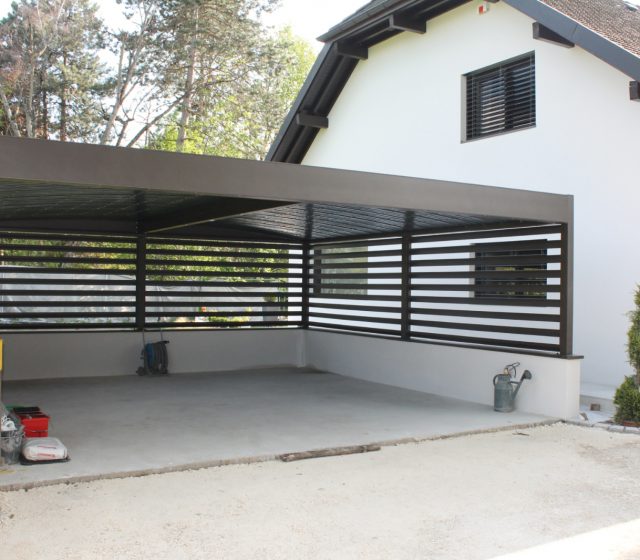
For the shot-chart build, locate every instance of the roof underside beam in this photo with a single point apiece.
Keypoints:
(350, 50)
(402, 22)
(311, 120)
(201, 213)
(542, 33)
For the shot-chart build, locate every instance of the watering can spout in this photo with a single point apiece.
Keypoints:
(525, 375)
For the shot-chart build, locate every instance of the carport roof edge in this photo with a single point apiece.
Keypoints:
(264, 184)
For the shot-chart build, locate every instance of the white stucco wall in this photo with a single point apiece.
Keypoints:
(82, 354)
(461, 373)
(401, 113)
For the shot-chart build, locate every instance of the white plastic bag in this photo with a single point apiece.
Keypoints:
(44, 449)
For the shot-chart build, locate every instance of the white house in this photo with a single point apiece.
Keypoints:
(533, 94)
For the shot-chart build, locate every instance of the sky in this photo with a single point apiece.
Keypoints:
(307, 18)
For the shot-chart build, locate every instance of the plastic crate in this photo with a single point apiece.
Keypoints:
(36, 424)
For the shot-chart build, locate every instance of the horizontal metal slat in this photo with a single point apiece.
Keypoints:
(164, 242)
(485, 235)
(222, 274)
(494, 261)
(347, 307)
(68, 281)
(355, 297)
(66, 326)
(528, 331)
(491, 342)
(222, 324)
(66, 248)
(67, 315)
(70, 271)
(59, 303)
(542, 317)
(355, 329)
(487, 288)
(324, 257)
(212, 284)
(514, 302)
(493, 275)
(67, 260)
(69, 293)
(479, 245)
(210, 294)
(354, 318)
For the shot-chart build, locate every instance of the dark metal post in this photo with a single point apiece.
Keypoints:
(566, 291)
(306, 285)
(141, 281)
(405, 296)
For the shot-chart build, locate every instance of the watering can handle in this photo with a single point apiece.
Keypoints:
(494, 378)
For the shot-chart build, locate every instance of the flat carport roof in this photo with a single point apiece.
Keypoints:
(55, 186)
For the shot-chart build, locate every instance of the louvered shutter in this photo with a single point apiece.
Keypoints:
(501, 98)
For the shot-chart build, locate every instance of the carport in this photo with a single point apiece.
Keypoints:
(303, 284)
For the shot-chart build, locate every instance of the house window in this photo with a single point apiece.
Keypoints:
(501, 98)
(341, 280)
(519, 279)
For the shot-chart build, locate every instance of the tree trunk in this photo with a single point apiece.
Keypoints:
(6, 107)
(185, 112)
(45, 115)
(63, 101)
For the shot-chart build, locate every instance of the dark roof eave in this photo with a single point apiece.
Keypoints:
(292, 135)
(592, 42)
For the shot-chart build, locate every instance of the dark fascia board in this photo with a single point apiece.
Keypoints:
(290, 119)
(572, 31)
(355, 23)
(87, 166)
(554, 20)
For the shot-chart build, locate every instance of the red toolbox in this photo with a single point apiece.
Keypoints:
(34, 421)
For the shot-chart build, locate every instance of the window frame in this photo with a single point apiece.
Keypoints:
(510, 286)
(508, 71)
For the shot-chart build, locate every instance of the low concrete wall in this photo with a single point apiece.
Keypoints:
(83, 354)
(461, 373)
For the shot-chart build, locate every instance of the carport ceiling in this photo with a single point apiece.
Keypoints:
(53, 186)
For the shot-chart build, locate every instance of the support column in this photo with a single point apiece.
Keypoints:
(405, 296)
(141, 281)
(566, 291)
(306, 284)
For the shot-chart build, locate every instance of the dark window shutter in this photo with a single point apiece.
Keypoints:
(501, 98)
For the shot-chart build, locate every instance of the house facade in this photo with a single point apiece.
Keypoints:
(527, 95)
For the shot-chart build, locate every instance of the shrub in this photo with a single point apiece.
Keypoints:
(627, 399)
(633, 338)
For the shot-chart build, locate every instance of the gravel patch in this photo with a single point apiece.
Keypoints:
(473, 497)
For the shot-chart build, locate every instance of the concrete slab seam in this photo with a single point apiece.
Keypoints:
(256, 459)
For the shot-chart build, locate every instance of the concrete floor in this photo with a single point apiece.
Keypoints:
(119, 425)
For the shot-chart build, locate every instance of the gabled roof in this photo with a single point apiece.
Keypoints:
(609, 29)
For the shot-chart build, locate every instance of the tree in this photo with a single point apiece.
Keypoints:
(186, 75)
(242, 119)
(633, 337)
(49, 68)
(180, 55)
(627, 397)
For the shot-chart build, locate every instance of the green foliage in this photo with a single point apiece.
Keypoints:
(200, 76)
(633, 337)
(627, 399)
(242, 120)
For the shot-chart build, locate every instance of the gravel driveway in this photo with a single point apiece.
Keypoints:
(559, 488)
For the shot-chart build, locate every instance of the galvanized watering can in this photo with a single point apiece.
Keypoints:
(504, 393)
